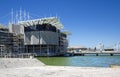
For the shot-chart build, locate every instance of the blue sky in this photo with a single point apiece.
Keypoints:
(89, 21)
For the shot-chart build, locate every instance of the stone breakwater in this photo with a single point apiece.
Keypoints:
(19, 62)
(56, 71)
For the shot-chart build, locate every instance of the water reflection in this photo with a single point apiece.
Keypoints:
(59, 61)
(84, 61)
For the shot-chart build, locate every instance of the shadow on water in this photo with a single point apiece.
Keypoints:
(59, 61)
(82, 61)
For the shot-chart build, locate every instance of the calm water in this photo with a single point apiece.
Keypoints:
(84, 61)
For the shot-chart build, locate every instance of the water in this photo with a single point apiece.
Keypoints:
(82, 61)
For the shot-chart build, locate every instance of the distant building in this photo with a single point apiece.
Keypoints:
(76, 49)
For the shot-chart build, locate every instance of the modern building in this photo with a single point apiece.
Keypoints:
(42, 37)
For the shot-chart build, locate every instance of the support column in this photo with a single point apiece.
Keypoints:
(48, 50)
(33, 49)
(0, 53)
(40, 49)
(27, 48)
(40, 44)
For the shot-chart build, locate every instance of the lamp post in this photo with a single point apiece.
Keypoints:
(115, 47)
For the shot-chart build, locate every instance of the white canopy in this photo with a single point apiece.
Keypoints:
(50, 20)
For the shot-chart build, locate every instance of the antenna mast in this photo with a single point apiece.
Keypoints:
(16, 17)
(24, 15)
(20, 14)
(28, 16)
(12, 16)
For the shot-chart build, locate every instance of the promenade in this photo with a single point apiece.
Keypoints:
(60, 71)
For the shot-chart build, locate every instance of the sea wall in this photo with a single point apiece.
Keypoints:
(19, 62)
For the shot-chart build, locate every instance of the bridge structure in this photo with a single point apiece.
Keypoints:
(96, 53)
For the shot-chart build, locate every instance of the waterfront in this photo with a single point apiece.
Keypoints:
(31, 67)
(82, 61)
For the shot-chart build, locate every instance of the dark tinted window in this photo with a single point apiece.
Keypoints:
(43, 27)
(63, 35)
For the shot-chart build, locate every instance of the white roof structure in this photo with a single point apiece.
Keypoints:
(50, 20)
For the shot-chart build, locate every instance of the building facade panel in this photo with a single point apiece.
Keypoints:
(41, 37)
(34, 37)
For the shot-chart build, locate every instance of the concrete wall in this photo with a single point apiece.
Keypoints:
(41, 37)
(19, 62)
(18, 29)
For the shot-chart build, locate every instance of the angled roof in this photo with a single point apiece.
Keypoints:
(50, 20)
